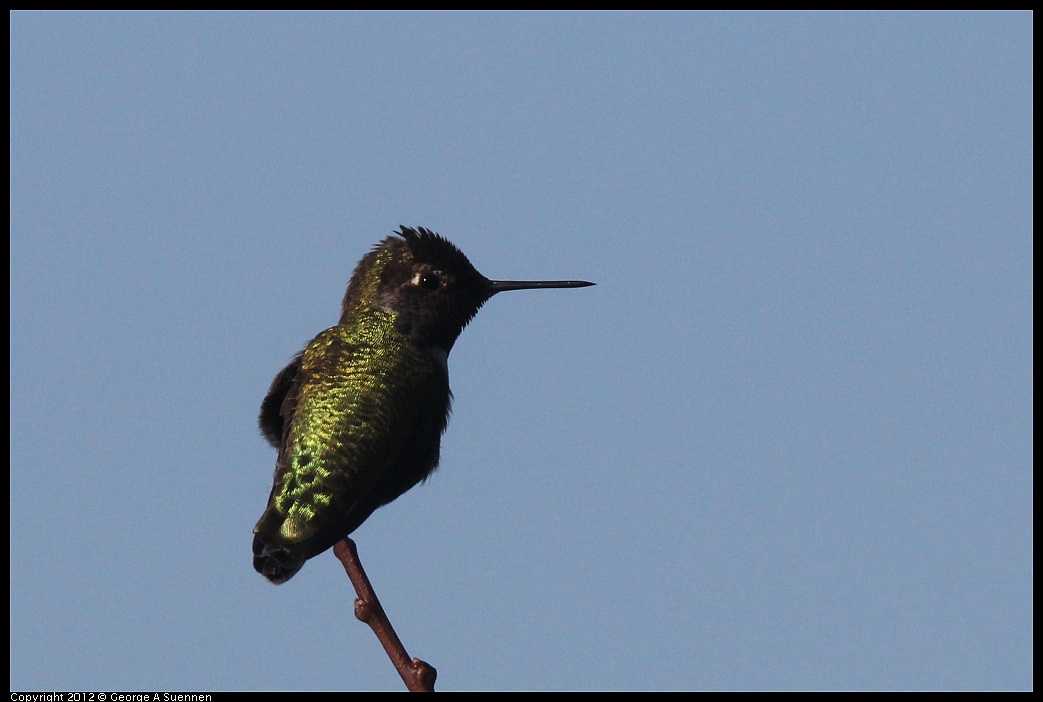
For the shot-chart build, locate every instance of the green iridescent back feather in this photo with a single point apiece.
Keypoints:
(366, 410)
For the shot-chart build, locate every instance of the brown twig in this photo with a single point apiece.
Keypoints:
(418, 675)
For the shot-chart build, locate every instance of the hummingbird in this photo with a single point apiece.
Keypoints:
(357, 416)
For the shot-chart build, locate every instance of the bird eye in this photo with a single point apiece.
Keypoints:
(430, 281)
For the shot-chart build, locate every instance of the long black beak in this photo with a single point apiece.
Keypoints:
(501, 285)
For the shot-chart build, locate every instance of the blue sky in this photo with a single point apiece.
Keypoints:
(785, 443)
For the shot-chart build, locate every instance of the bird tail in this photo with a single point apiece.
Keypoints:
(276, 563)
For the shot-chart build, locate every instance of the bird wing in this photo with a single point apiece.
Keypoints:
(274, 417)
